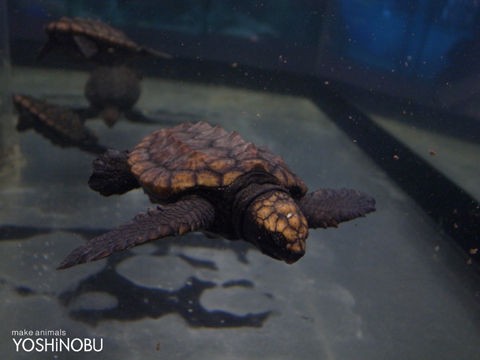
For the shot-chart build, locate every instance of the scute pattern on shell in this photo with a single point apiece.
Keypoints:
(170, 161)
(94, 29)
(59, 119)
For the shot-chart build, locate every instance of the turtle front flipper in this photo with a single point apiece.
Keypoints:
(111, 174)
(87, 47)
(329, 207)
(46, 48)
(189, 214)
(154, 53)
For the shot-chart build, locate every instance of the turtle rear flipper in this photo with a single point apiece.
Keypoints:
(111, 174)
(189, 214)
(329, 207)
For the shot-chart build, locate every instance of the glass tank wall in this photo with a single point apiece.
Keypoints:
(10, 158)
(376, 96)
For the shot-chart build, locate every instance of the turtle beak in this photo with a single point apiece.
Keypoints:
(277, 226)
(283, 250)
(111, 115)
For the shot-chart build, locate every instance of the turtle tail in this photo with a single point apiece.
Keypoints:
(111, 174)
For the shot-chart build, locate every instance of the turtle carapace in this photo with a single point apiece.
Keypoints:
(61, 125)
(93, 40)
(204, 178)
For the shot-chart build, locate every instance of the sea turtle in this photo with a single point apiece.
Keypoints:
(61, 125)
(207, 179)
(112, 91)
(93, 40)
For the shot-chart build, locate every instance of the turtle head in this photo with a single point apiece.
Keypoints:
(110, 115)
(275, 224)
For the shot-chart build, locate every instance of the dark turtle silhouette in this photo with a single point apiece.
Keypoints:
(61, 125)
(113, 87)
(93, 40)
(208, 179)
(112, 92)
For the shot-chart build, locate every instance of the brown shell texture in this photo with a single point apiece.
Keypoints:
(94, 29)
(57, 118)
(169, 161)
(113, 85)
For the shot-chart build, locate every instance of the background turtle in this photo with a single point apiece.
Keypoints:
(93, 40)
(112, 92)
(60, 125)
(208, 179)
(113, 87)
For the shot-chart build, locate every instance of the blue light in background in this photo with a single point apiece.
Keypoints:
(411, 37)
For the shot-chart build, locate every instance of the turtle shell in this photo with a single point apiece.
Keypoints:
(94, 29)
(170, 161)
(51, 119)
(113, 85)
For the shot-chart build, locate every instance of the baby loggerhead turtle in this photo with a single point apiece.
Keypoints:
(112, 92)
(93, 40)
(61, 125)
(207, 179)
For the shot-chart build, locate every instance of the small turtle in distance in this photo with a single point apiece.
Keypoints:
(207, 179)
(113, 86)
(61, 125)
(93, 40)
(113, 91)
